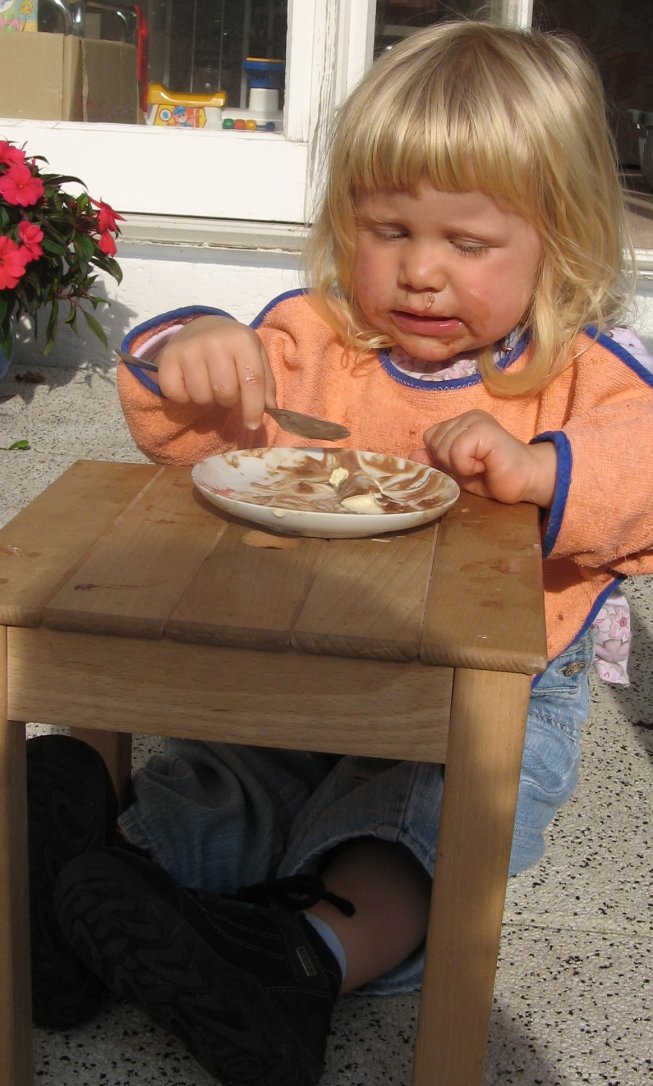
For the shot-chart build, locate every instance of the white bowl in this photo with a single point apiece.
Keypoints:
(288, 490)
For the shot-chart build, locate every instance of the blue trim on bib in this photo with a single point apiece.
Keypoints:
(296, 293)
(563, 482)
(621, 353)
(456, 382)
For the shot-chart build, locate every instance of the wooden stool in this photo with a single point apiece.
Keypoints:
(127, 601)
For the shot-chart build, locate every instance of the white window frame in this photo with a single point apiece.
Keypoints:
(266, 177)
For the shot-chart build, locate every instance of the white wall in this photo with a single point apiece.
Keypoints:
(157, 278)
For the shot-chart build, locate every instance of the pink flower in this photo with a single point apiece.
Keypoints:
(19, 186)
(13, 259)
(10, 155)
(107, 217)
(31, 236)
(107, 244)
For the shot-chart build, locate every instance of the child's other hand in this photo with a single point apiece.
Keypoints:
(216, 360)
(485, 459)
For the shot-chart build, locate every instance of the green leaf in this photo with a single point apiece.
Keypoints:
(52, 325)
(22, 444)
(6, 340)
(95, 327)
(59, 179)
(52, 245)
(84, 248)
(108, 264)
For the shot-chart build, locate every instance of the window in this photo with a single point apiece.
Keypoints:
(201, 46)
(189, 47)
(250, 175)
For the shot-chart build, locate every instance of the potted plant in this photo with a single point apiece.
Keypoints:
(51, 245)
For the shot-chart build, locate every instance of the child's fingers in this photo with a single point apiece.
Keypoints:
(421, 456)
(453, 444)
(171, 379)
(225, 365)
(256, 385)
(210, 380)
(185, 375)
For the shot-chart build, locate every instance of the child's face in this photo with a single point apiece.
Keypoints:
(443, 272)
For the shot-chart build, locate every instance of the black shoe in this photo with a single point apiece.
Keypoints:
(72, 807)
(248, 987)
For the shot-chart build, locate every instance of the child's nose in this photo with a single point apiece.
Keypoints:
(424, 270)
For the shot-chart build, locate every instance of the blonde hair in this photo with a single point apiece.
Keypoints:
(517, 114)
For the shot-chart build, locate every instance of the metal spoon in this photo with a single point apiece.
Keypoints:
(293, 422)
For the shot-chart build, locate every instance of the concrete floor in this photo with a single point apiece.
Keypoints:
(573, 992)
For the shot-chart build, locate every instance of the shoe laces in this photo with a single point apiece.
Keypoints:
(297, 892)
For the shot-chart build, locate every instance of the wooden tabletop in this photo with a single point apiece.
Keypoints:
(133, 550)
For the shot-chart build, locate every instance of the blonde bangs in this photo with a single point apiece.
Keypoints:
(452, 123)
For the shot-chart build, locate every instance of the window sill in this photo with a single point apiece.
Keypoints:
(212, 233)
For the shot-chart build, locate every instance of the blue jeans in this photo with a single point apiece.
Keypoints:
(221, 816)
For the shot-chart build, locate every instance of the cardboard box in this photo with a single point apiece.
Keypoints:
(52, 77)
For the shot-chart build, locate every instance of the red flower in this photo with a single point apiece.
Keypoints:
(31, 236)
(19, 186)
(106, 243)
(13, 259)
(107, 217)
(10, 155)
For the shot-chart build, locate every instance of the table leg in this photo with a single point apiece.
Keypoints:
(481, 780)
(15, 990)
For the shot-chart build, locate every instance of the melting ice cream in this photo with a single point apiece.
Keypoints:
(332, 481)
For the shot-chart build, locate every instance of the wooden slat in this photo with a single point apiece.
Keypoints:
(367, 598)
(131, 580)
(484, 608)
(248, 591)
(277, 699)
(50, 536)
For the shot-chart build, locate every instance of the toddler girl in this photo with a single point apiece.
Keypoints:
(467, 284)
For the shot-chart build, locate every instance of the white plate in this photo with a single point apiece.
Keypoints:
(289, 491)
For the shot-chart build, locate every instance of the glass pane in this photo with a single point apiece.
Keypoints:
(396, 19)
(194, 56)
(199, 46)
(620, 38)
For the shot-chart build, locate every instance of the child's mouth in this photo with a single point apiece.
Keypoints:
(426, 324)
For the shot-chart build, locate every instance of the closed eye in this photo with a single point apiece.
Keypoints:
(470, 248)
(384, 231)
(390, 233)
